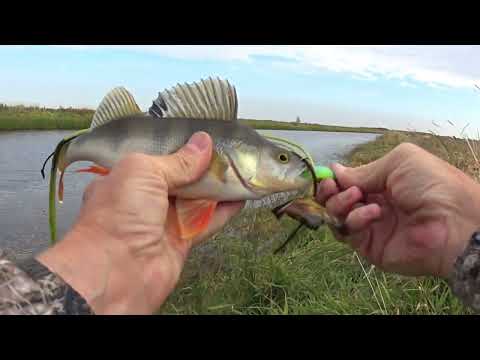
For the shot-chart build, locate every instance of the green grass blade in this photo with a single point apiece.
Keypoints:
(52, 198)
(52, 211)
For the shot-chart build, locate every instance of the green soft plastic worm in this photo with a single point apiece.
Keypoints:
(321, 173)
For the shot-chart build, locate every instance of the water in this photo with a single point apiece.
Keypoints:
(24, 226)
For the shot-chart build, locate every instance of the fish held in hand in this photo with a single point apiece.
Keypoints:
(244, 165)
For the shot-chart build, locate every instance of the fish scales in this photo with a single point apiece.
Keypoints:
(146, 134)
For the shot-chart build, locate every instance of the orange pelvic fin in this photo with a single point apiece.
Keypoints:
(194, 216)
(95, 169)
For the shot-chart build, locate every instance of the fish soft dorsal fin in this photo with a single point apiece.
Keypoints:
(116, 104)
(207, 99)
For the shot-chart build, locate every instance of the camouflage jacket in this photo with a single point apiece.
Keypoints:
(29, 288)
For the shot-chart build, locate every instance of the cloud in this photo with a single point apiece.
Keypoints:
(447, 66)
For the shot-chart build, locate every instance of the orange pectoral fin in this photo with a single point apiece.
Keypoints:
(95, 169)
(194, 216)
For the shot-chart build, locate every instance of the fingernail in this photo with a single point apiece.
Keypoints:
(346, 195)
(199, 141)
(337, 167)
(365, 212)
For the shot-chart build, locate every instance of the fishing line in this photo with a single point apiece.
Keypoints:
(314, 177)
(290, 237)
(45, 163)
(275, 211)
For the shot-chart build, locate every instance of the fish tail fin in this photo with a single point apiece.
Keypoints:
(58, 163)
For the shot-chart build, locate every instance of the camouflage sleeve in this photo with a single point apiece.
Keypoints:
(465, 278)
(29, 288)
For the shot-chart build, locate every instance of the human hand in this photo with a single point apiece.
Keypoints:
(409, 212)
(124, 254)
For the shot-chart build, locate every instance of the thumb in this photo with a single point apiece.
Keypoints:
(370, 178)
(189, 163)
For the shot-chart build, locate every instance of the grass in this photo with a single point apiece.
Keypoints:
(316, 275)
(36, 118)
(236, 272)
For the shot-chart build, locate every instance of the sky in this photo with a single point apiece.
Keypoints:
(423, 88)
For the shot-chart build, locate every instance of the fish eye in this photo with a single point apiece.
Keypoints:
(283, 158)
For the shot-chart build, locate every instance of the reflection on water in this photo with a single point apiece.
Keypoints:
(24, 193)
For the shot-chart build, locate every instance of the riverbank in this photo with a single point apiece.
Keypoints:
(32, 118)
(279, 125)
(236, 272)
(24, 118)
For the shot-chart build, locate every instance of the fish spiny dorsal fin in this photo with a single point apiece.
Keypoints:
(207, 99)
(116, 104)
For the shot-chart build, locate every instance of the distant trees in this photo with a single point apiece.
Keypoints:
(298, 120)
(19, 108)
(35, 108)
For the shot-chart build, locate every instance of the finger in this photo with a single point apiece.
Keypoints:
(377, 199)
(369, 177)
(361, 225)
(223, 213)
(188, 164)
(340, 205)
(326, 189)
(373, 177)
(362, 217)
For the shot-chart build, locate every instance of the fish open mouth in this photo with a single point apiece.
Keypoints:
(279, 210)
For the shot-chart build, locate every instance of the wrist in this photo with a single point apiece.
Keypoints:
(462, 226)
(457, 243)
(98, 268)
(464, 279)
